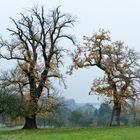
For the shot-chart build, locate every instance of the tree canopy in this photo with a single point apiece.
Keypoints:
(35, 47)
(119, 63)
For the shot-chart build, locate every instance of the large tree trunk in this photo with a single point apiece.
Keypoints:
(112, 116)
(116, 113)
(30, 118)
(30, 122)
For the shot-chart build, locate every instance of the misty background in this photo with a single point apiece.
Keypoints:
(120, 17)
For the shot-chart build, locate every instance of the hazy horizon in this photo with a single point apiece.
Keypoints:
(120, 17)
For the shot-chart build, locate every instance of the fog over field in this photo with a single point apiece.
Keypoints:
(121, 17)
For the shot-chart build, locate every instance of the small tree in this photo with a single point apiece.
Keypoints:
(10, 105)
(9, 102)
(36, 50)
(120, 66)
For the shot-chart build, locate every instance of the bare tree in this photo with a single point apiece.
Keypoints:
(120, 66)
(36, 49)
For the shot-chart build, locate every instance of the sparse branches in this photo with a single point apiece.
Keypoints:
(14, 78)
(91, 53)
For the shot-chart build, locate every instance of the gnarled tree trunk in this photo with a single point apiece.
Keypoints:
(30, 117)
(116, 113)
(30, 122)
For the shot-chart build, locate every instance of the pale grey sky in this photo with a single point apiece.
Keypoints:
(121, 17)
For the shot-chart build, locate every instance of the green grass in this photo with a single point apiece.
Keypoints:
(104, 133)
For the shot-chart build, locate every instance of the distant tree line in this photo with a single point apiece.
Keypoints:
(65, 113)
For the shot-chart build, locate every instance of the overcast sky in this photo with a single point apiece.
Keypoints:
(121, 17)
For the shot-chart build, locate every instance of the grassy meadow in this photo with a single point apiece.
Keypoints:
(102, 133)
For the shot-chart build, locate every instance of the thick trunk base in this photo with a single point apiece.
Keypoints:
(116, 113)
(30, 123)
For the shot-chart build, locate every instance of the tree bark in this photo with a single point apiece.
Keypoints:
(30, 122)
(112, 116)
(116, 113)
